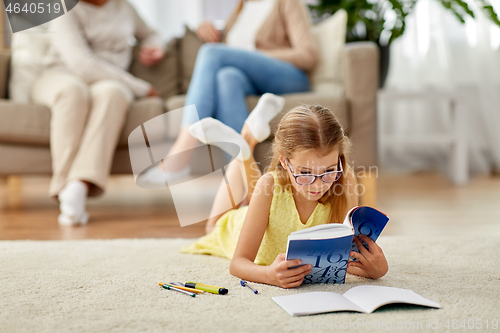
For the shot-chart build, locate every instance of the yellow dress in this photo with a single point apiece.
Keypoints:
(283, 220)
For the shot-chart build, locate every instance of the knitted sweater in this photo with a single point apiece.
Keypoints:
(286, 34)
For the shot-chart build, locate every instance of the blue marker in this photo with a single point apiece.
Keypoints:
(245, 284)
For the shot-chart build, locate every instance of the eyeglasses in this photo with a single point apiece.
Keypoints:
(308, 179)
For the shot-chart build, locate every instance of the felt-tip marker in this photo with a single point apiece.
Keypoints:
(181, 286)
(206, 287)
(169, 287)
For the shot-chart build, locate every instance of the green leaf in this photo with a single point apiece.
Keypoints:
(489, 11)
(357, 11)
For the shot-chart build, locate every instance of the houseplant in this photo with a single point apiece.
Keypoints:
(382, 21)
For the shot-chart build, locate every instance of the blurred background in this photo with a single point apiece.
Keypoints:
(438, 113)
(451, 46)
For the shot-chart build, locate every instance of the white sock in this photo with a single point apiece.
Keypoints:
(152, 179)
(156, 178)
(212, 131)
(68, 221)
(267, 108)
(173, 176)
(73, 199)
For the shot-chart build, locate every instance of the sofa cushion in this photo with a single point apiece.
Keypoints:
(28, 50)
(189, 45)
(4, 72)
(24, 123)
(163, 76)
(140, 111)
(174, 103)
(330, 34)
(30, 123)
(337, 105)
(36, 160)
(24, 159)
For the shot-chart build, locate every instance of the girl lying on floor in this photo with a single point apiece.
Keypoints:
(309, 157)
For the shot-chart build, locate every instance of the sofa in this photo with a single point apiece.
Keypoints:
(25, 127)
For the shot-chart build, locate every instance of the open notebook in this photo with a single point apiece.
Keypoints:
(364, 299)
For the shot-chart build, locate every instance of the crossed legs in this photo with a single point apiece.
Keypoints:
(222, 78)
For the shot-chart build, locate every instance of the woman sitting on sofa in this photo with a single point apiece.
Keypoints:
(268, 47)
(88, 89)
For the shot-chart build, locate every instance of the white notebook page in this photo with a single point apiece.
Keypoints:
(315, 302)
(370, 298)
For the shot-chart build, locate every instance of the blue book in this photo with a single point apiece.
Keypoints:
(326, 247)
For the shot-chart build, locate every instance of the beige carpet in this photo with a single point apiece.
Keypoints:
(112, 286)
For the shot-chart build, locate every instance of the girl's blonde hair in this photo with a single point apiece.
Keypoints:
(314, 128)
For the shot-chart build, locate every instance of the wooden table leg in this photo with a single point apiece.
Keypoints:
(14, 192)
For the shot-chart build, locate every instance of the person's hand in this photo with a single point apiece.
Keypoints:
(150, 56)
(207, 33)
(279, 274)
(371, 262)
(153, 93)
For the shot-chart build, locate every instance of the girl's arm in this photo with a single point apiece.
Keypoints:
(256, 221)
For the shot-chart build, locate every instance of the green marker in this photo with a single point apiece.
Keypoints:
(205, 287)
(169, 287)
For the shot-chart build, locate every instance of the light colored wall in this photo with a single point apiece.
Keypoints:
(218, 10)
(168, 17)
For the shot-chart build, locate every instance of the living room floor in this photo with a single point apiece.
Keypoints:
(418, 204)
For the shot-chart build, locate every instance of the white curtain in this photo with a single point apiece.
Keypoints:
(218, 11)
(438, 52)
(169, 17)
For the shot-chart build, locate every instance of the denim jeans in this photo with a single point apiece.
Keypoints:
(224, 76)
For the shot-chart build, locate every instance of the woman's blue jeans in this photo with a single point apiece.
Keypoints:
(224, 76)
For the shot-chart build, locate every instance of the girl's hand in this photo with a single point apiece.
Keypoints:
(279, 274)
(371, 262)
